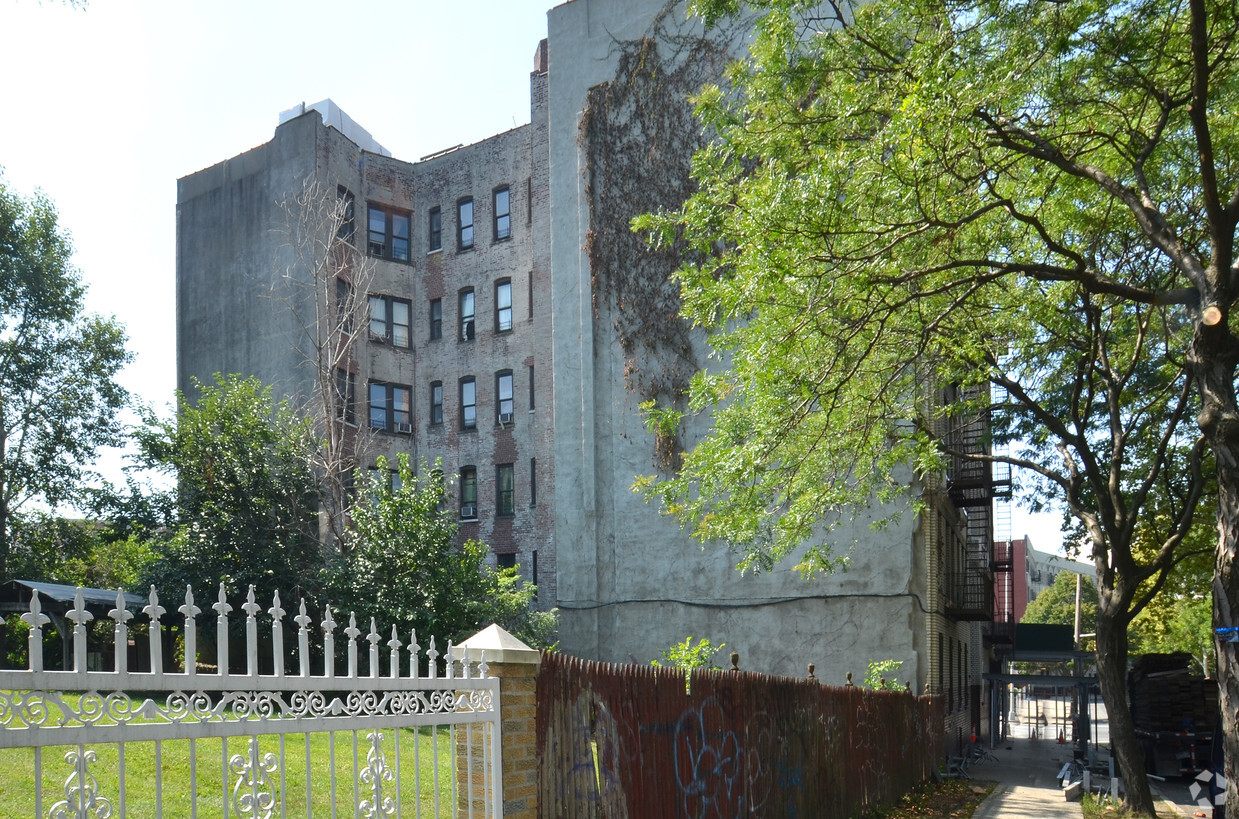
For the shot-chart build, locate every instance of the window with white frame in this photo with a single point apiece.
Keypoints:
(436, 402)
(502, 204)
(436, 319)
(464, 224)
(503, 305)
(468, 403)
(504, 405)
(467, 314)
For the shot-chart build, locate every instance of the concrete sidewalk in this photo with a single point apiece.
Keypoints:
(1025, 771)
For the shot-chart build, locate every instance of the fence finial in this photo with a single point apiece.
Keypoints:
(277, 634)
(735, 661)
(36, 619)
(414, 661)
(329, 643)
(432, 657)
(190, 611)
(374, 638)
(251, 609)
(221, 630)
(811, 668)
(80, 617)
(120, 633)
(394, 658)
(352, 632)
(303, 621)
(849, 682)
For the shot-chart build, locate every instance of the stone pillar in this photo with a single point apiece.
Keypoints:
(516, 666)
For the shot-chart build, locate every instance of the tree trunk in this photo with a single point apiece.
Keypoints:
(1112, 676)
(1226, 613)
(1213, 358)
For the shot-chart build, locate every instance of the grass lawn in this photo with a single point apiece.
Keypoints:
(422, 752)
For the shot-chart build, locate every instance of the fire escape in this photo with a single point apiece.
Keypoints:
(974, 486)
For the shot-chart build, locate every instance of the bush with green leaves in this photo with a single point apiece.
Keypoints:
(403, 566)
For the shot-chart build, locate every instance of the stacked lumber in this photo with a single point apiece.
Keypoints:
(1166, 696)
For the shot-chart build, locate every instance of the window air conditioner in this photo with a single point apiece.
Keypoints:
(405, 429)
(505, 417)
(468, 510)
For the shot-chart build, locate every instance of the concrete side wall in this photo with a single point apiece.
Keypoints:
(630, 582)
(229, 244)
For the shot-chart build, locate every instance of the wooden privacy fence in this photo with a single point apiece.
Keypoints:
(628, 741)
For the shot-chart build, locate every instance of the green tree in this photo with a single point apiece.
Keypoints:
(687, 656)
(1057, 604)
(245, 504)
(916, 217)
(59, 397)
(77, 552)
(403, 568)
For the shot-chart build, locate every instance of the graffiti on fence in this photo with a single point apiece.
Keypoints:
(620, 741)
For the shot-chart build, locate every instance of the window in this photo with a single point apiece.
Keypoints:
(503, 306)
(391, 408)
(435, 230)
(391, 479)
(531, 389)
(505, 491)
(466, 314)
(533, 482)
(529, 301)
(535, 567)
(346, 213)
(503, 213)
(346, 396)
(389, 234)
(504, 404)
(464, 224)
(389, 320)
(468, 403)
(436, 402)
(436, 319)
(344, 306)
(506, 561)
(468, 493)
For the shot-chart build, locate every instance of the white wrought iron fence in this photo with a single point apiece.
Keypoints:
(419, 737)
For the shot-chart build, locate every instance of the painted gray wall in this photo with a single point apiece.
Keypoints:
(630, 582)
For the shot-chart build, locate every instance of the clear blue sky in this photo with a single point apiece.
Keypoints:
(106, 106)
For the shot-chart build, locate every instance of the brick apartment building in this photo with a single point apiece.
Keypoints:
(494, 344)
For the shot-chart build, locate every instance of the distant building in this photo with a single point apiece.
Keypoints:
(1030, 572)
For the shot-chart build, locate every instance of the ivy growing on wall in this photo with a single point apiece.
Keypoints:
(638, 135)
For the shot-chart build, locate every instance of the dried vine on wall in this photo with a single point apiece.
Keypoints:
(638, 135)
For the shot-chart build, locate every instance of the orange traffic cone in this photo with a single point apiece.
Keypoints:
(1061, 739)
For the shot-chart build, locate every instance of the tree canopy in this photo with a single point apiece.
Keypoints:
(914, 217)
(59, 397)
(1057, 604)
(244, 504)
(403, 566)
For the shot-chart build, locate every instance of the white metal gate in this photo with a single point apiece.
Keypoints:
(417, 738)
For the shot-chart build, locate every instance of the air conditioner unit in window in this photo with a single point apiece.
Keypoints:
(468, 510)
(466, 331)
(375, 338)
(505, 418)
(404, 429)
